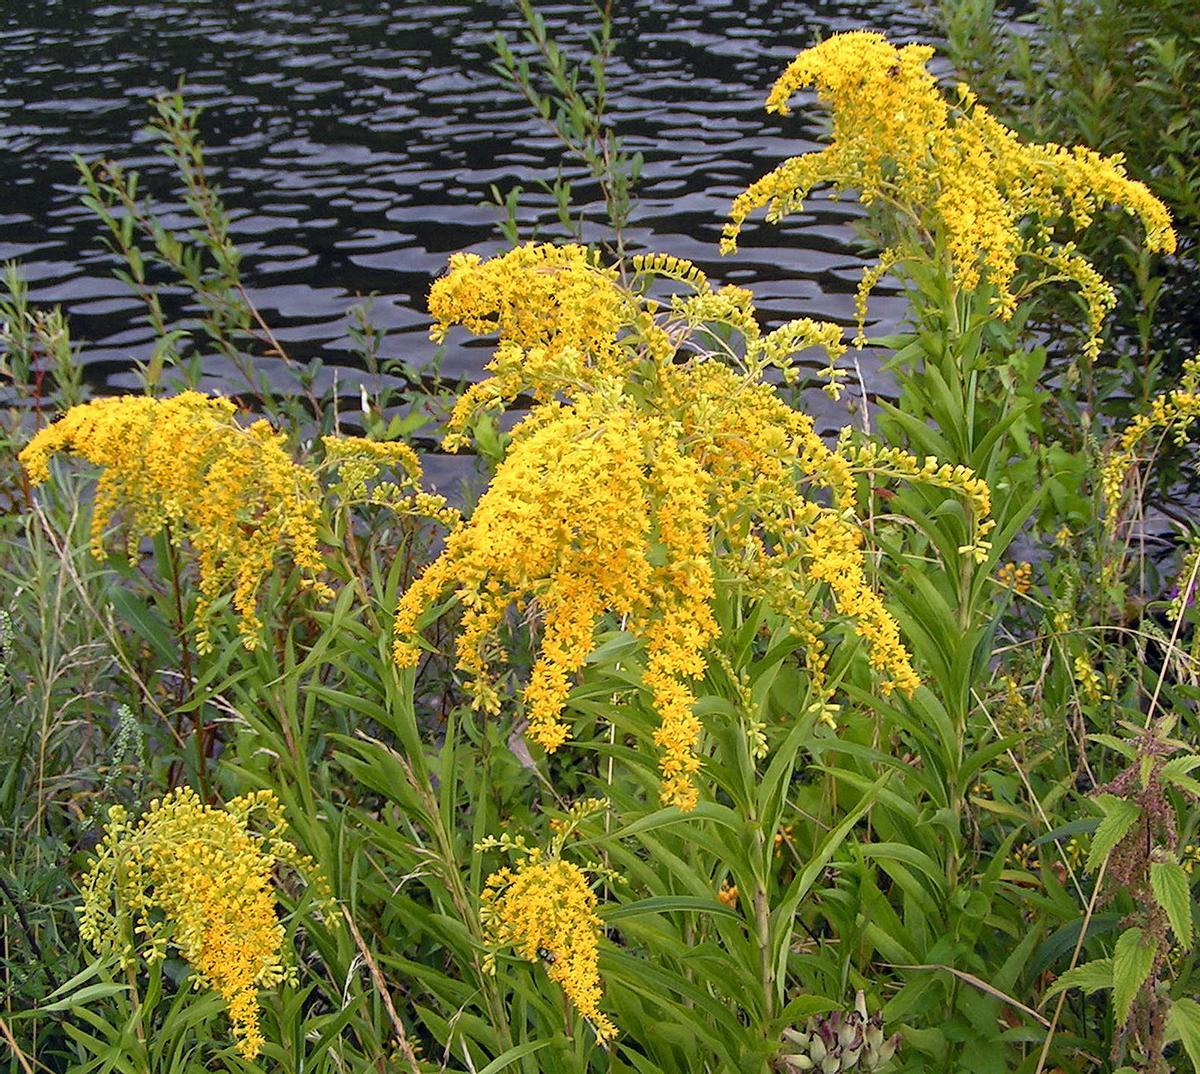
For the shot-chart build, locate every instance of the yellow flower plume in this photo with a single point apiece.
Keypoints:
(964, 185)
(198, 879)
(644, 466)
(232, 491)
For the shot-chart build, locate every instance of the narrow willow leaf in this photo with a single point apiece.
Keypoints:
(664, 904)
(1119, 817)
(513, 1054)
(88, 994)
(1132, 961)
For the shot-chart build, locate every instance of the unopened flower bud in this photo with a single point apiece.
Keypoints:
(798, 1037)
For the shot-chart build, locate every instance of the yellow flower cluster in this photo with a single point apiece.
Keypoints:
(185, 463)
(1088, 679)
(1190, 858)
(545, 910)
(555, 309)
(1186, 578)
(967, 187)
(198, 879)
(642, 466)
(359, 462)
(1173, 414)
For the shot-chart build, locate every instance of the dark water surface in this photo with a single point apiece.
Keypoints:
(354, 142)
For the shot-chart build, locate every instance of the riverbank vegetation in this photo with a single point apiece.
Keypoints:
(692, 741)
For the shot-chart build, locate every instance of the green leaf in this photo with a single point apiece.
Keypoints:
(1173, 893)
(146, 622)
(1090, 977)
(1183, 1024)
(663, 904)
(803, 1006)
(1119, 816)
(513, 1054)
(1132, 962)
(1180, 766)
(87, 994)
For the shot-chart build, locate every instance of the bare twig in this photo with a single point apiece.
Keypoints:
(410, 1056)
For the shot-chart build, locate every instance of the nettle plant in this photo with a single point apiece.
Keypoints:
(1138, 862)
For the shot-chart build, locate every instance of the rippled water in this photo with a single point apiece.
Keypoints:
(355, 140)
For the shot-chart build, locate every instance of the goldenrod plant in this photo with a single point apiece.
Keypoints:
(697, 741)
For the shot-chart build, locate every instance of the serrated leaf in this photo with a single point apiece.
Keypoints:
(1180, 766)
(1173, 893)
(1119, 816)
(1132, 960)
(1119, 745)
(1183, 1024)
(1090, 977)
(1187, 783)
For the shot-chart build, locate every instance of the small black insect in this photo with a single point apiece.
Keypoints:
(546, 955)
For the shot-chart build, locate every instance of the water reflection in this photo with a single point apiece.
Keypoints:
(355, 140)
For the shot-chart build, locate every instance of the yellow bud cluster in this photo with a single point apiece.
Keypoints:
(672, 268)
(233, 492)
(360, 462)
(1088, 680)
(1185, 582)
(1016, 576)
(545, 910)
(888, 462)
(199, 879)
(1173, 414)
(962, 181)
